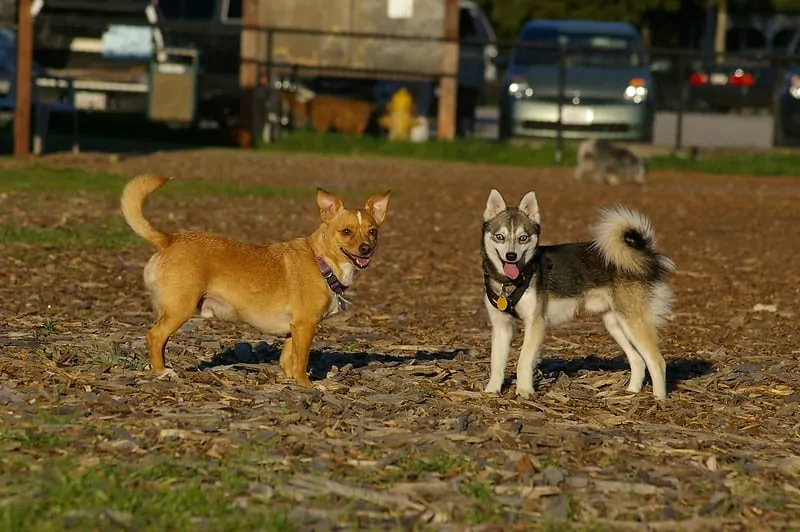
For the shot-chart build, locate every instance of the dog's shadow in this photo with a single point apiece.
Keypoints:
(321, 361)
(677, 370)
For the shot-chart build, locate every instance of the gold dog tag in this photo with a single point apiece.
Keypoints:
(502, 303)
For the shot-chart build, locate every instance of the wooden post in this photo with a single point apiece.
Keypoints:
(448, 86)
(721, 30)
(248, 72)
(22, 109)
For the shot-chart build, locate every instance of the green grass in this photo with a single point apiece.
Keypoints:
(779, 163)
(113, 234)
(45, 179)
(44, 489)
(462, 150)
(161, 495)
(773, 163)
(440, 462)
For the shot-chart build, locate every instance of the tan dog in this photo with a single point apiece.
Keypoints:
(345, 115)
(285, 288)
(401, 116)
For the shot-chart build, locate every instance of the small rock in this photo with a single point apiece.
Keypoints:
(559, 508)
(577, 482)
(553, 476)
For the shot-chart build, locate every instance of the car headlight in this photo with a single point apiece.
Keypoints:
(794, 87)
(520, 89)
(636, 91)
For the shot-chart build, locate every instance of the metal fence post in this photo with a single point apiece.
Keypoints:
(681, 100)
(562, 74)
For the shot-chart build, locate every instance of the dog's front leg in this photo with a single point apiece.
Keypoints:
(502, 331)
(287, 357)
(529, 354)
(302, 335)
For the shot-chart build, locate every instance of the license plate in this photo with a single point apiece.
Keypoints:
(577, 115)
(90, 100)
(719, 79)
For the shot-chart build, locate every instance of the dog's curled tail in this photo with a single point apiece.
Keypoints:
(133, 197)
(626, 239)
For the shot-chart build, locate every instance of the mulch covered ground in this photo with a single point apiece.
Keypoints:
(399, 433)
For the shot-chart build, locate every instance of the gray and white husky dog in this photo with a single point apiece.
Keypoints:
(605, 162)
(618, 275)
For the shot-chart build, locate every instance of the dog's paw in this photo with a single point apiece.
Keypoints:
(634, 388)
(524, 393)
(493, 387)
(169, 374)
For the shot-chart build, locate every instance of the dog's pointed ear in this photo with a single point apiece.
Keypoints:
(494, 205)
(329, 204)
(377, 205)
(529, 206)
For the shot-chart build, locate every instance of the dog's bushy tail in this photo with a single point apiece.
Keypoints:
(133, 197)
(626, 240)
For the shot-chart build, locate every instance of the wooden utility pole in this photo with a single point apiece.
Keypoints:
(22, 109)
(448, 86)
(248, 69)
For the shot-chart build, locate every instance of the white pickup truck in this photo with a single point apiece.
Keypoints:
(112, 50)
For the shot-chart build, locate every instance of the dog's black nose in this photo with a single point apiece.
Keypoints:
(365, 249)
(511, 256)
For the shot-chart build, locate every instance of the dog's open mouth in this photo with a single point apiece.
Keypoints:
(360, 262)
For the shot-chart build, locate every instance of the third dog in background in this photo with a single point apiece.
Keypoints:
(345, 115)
(605, 162)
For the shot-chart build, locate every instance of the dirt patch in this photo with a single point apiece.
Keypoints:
(402, 434)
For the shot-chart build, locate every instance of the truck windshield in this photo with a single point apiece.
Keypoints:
(188, 9)
(596, 49)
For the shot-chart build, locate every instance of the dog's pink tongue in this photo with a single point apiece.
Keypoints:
(510, 270)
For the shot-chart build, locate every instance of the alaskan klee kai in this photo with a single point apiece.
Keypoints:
(618, 275)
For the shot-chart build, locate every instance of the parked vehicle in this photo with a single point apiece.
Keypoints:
(749, 72)
(787, 112)
(8, 63)
(607, 93)
(113, 50)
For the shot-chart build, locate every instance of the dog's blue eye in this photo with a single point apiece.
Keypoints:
(499, 237)
(523, 238)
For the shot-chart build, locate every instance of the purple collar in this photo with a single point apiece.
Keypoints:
(336, 285)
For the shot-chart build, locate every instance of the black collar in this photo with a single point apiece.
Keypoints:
(520, 285)
(333, 281)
